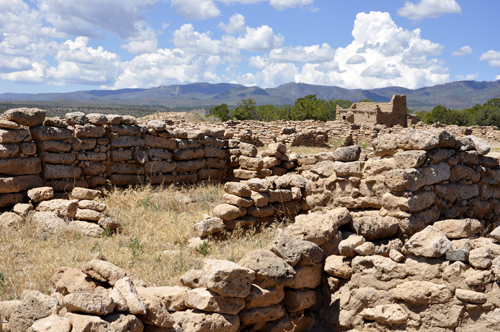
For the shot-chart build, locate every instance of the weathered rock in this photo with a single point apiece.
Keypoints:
(208, 226)
(421, 292)
(61, 207)
(348, 153)
(324, 168)
(51, 323)
(428, 243)
(366, 249)
(248, 150)
(87, 214)
(229, 212)
(198, 321)
(347, 247)
(156, 312)
(40, 194)
(67, 280)
(86, 228)
(480, 258)
(26, 116)
(92, 205)
(29, 311)
(410, 159)
(481, 145)
(470, 296)
(83, 193)
(264, 297)
(10, 220)
(86, 323)
(89, 303)
(268, 266)
(123, 323)
(388, 314)
(314, 227)
(382, 268)
(259, 315)
(295, 251)
(238, 201)
(127, 290)
(206, 300)
(172, 297)
(306, 276)
(227, 278)
(193, 279)
(335, 266)
(104, 271)
(48, 222)
(372, 226)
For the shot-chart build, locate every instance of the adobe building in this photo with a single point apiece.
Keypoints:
(370, 113)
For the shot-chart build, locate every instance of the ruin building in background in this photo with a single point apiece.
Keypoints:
(371, 113)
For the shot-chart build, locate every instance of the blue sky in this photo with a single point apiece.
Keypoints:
(62, 45)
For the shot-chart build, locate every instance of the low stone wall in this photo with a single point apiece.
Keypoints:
(93, 150)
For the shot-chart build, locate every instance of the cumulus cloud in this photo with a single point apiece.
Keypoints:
(196, 9)
(464, 50)
(189, 40)
(144, 42)
(165, 67)
(259, 39)
(493, 58)
(429, 9)
(236, 24)
(391, 56)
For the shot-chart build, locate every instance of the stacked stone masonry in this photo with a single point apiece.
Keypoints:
(402, 236)
(93, 150)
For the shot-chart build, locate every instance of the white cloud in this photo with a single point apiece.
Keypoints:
(259, 39)
(429, 9)
(493, 58)
(80, 64)
(356, 59)
(165, 67)
(276, 4)
(285, 4)
(145, 42)
(79, 18)
(497, 78)
(310, 54)
(191, 41)
(468, 77)
(391, 56)
(236, 24)
(196, 9)
(464, 50)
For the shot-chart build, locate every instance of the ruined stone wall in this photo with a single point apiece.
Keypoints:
(94, 150)
(401, 231)
(402, 237)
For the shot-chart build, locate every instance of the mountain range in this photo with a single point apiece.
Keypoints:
(454, 95)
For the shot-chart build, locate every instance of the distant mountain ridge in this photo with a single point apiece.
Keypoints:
(454, 95)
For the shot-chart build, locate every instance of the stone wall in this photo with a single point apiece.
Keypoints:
(93, 150)
(402, 236)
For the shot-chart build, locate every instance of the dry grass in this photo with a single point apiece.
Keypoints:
(157, 224)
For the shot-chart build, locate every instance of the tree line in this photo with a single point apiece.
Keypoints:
(487, 114)
(306, 108)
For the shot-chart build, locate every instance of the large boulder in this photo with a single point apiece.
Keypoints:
(199, 321)
(26, 116)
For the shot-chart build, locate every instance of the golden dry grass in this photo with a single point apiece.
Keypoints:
(157, 224)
